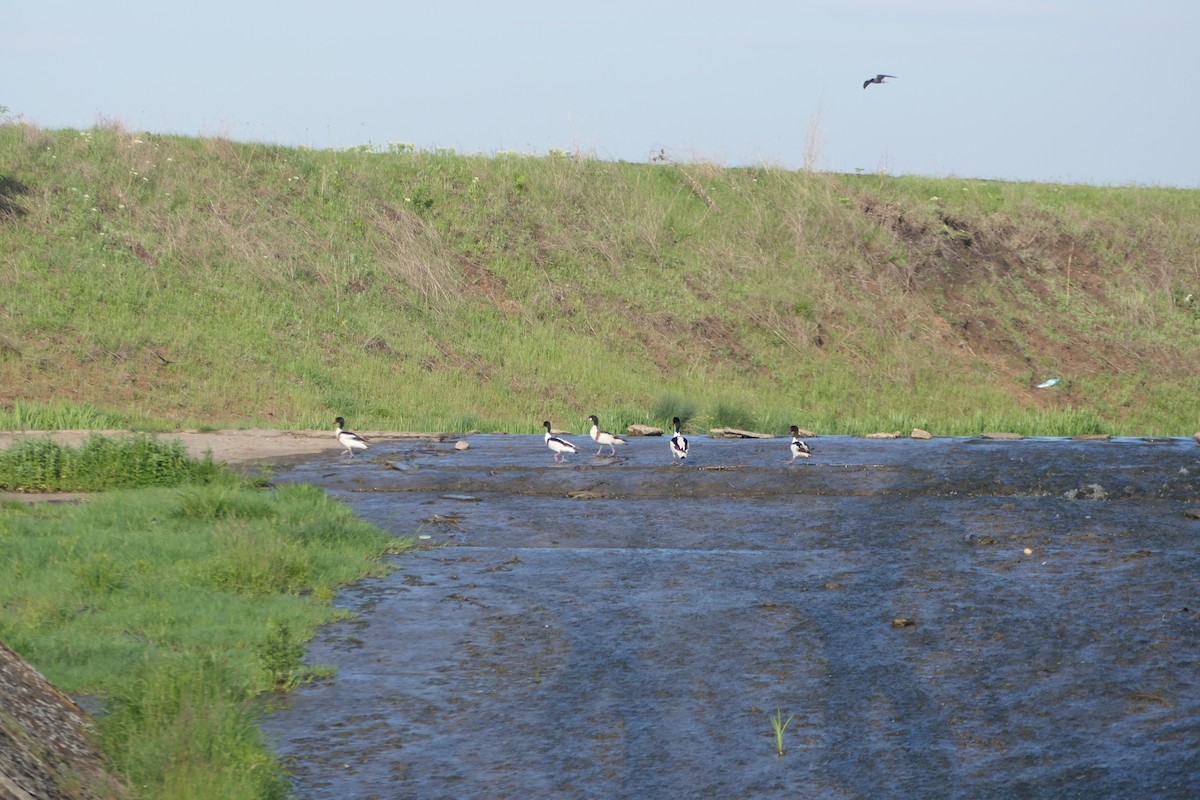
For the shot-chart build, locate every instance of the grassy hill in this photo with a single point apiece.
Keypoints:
(160, 281)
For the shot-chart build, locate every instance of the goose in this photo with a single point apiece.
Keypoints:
(560, 447)
(603, 438)
(679, 445)
(876, 79)
(799, 448)
(348, 439)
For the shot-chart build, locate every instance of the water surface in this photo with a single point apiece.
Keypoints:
(622, 628)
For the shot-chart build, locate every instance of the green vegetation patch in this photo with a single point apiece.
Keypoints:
(176, 608)
(194, 282)
(61, 416)
(40, 464)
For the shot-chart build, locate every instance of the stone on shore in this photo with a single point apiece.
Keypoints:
(738, 433)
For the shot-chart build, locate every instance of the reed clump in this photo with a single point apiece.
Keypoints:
(40, 464)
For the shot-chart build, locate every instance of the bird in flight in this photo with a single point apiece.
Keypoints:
(876, 79)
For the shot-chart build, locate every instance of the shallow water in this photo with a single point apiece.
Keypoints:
(622, 628)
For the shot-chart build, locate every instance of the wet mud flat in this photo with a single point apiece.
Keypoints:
(622, 628)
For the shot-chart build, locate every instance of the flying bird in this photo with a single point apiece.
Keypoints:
(876, 79)
(348, 439)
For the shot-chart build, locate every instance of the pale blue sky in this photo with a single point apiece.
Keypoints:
(1088, 91)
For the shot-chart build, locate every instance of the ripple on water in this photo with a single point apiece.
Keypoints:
(623, 628)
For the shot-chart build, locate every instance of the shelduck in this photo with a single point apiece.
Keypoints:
(679, 445)
(799, 448)
(604, 438)
(559, 446)
(348, 439)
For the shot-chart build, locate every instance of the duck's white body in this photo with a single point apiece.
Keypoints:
(348, 439)
(559, 446)
(604, 438)
(799, 447)
(679, 444)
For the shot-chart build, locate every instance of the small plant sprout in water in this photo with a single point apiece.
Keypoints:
(779, 725)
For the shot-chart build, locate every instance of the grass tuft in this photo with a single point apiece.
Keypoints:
(60, 416)
(39, 464)
(779, 725)
(726, 414)
(282, 654)
(672, 405)
(222, 501)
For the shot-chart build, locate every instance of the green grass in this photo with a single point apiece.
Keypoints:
(61, 415)
(173, 281)
(177, 608)
(40, 464)
(672, 405)
(778, 726)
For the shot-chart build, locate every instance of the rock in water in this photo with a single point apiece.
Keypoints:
(738, 433)
(637, 429)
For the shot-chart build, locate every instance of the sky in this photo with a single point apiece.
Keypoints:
(1065, 91)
